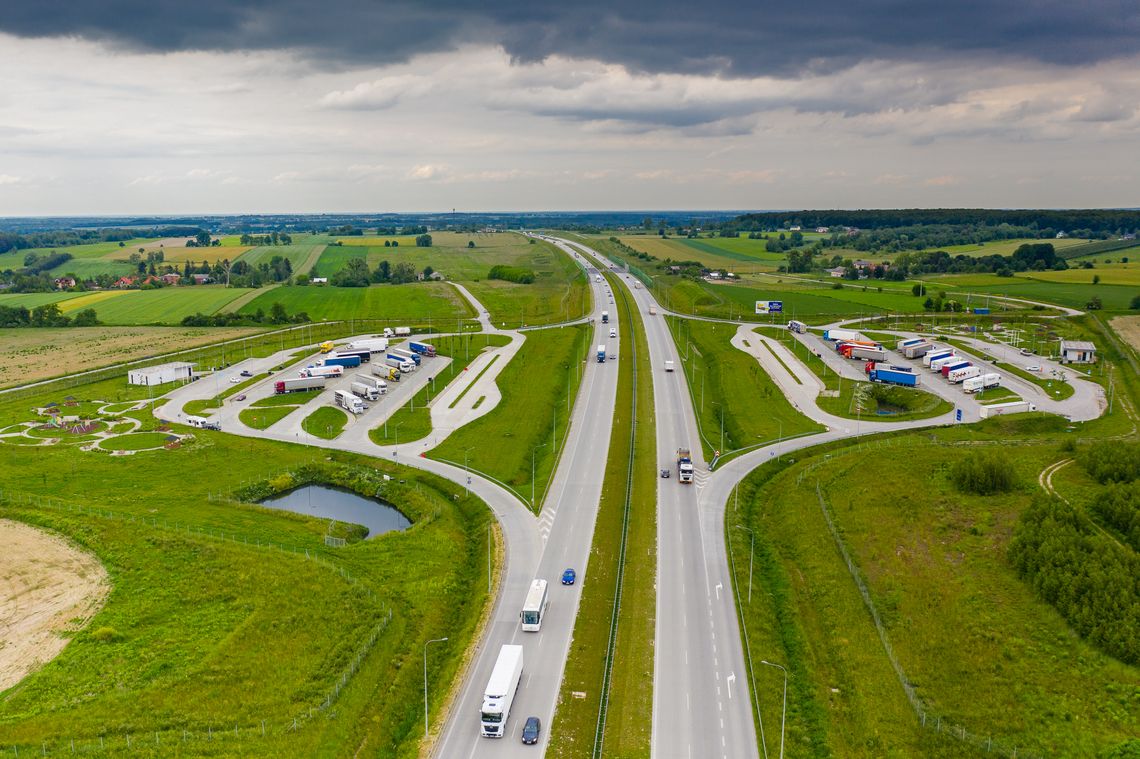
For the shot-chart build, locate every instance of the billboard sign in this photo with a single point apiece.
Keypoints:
(769, 306)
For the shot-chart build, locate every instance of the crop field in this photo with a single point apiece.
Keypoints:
(80, 253)
(418, 302)
(35, 354)
(1109, 274)
(559, 292)
(1072, 294)
(165, 306)
(230, 627)
(539, 385)
(732, 253)
(303, 248)
(211, 256)
(1128, 327)
(31, 300)
(984, 654)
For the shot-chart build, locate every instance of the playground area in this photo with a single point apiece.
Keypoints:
(93, 426)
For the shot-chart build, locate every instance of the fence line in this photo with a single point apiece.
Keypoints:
(934, 722)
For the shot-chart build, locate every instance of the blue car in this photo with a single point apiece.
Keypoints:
(569, 576)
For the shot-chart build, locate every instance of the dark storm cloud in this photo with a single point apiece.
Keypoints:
(727, 37)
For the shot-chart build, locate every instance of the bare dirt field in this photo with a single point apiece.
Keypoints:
(47, 587)
(36, 354)
(1128, 327)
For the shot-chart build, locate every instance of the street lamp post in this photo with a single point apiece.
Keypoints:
(533, 451)
(397, 432)
(751, 552)
(433, 640)
(466, 472)
(785, 709)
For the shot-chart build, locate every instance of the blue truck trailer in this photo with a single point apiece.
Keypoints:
(892, 376)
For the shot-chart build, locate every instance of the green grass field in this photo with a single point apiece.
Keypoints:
(217, 621)
(326, 422)
(539, 385)
(726, 385)
(418, 303)
(135, 307)
(264, 417)
(630, 704)
(982, 652)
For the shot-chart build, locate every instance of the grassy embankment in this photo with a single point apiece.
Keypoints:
(982, 652)
(218, 625)
(414, 419)
(539, 386)
(728, 388)
(627, 508)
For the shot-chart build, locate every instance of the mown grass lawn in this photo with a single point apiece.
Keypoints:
(539, 386)
(326, 422)
(262, 418)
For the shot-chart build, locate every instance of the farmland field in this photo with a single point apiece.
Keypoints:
(1109, 274)
(165, 306)
(1128, 327)
(31, 300)
(418, 302)
(558, 293)
(90, 252)
(197, 255)
(35, 354)
(302, 248)
(1072, 294)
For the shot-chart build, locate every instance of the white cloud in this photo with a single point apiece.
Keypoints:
(9, 179)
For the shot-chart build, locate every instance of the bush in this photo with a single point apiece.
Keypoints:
(1112, 462)
(516, 274)
(982, 473)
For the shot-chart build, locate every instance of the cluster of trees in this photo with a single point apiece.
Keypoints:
(273, 238)
(277, 315)
(276, 269)
(64, 238)
(423, 241)
(47, 315)
(517, 274)
(357, 274)
(202, 239)
(1091, 580)
(1118, 505)
(982, 473)
(1112, 462)
(34, 263)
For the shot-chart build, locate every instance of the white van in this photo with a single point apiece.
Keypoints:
(613, 332)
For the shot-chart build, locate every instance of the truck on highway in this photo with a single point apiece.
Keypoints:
(322, 371)
(1012, 407)
(597, 277)
(668, 366)
(893, 376)
(375, 382)
(605, 317)
(423, 349)
(500, 692)
(299, 384)
(367, 392)
(961, 375)
(399, 362)
(345, 362)
(684, 465)
(407, 354)
(937, 364)
(936, 354)
(653, 310)
(348, 402)
(534, 608)
(797, 327)
(917, 350)
(382, 369)
(601, 354)
(372, 344)
(842, 334)
(960, 363)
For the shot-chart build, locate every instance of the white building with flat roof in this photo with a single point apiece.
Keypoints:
(1077, 352)
(175, 371)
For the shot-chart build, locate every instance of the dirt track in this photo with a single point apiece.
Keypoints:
(46, 586)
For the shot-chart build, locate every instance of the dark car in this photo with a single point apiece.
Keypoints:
(569, 576)
(247, 373)
(531, 730)
(240, 397)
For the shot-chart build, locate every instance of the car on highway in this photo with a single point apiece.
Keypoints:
(1026, 352)
(1033, 368)
(240, 397)
(613, 332)
(246, 373)
(531, 730)
(665, 473)
(235, 380)
(569, 576)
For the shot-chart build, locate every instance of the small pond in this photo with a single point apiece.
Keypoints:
(342, 505)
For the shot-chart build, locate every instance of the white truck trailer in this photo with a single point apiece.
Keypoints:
(322, 371)
(500, 692)
(380, 385)
(1012, 407)
(963, 374)
(373, 344)
(361, 390)
(348, 402)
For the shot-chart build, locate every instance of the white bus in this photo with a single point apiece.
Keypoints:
(500, 692)
(535, 607)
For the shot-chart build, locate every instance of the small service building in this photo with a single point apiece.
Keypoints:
(1077, 352)
(175, 371)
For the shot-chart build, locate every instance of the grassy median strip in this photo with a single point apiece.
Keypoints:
(738, 406)
(617, 575)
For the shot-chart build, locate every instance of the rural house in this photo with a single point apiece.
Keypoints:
(63, 283)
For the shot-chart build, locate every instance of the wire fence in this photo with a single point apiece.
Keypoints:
(926, 719)
(271, 726)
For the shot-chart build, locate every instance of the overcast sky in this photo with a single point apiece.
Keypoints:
(220, 106)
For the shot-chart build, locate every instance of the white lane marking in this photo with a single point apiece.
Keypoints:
(718, 587)
(730, 680)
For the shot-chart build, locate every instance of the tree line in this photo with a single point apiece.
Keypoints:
(277, 315)
(1041, 221)
(47, 315)
(356, 273)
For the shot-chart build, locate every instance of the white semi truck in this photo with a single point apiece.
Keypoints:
(374, 345)
(500, 692)
(361, 390)
(374, 382)
(348, 402)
